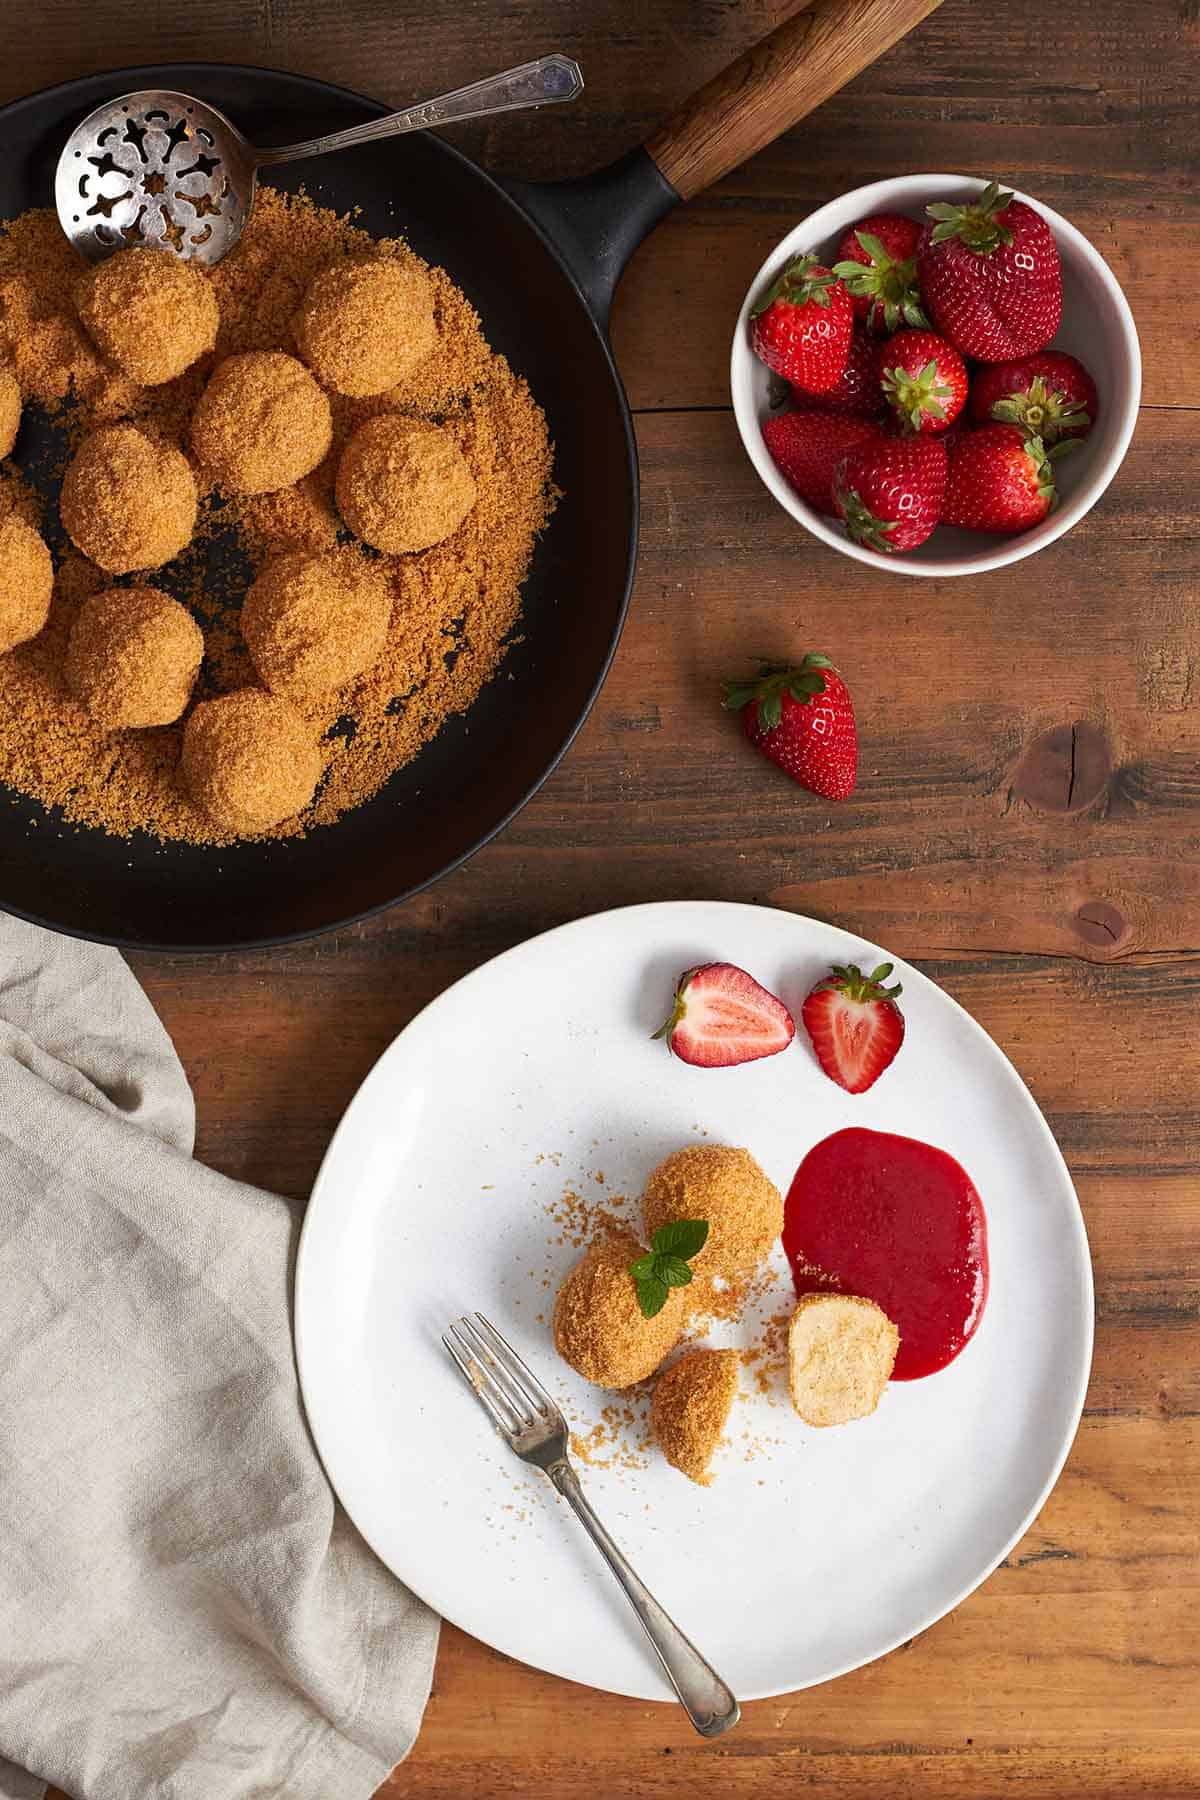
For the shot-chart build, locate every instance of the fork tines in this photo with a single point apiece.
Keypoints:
(506, 1387)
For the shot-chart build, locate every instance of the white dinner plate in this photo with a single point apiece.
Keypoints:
(813, 1551)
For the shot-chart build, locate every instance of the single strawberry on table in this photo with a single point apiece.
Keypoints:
(1049, 395)
(923, 379)
(876, 259)
(855, 1025)
(806, 448)
(889, 493)
(990, 276)
(1000, 480)
(801, 326)
(856, 392)
(801, 717)
(721, 1017)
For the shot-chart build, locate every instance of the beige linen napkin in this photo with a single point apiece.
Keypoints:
(185, 1612)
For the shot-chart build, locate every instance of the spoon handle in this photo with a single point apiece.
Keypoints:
(551, 78)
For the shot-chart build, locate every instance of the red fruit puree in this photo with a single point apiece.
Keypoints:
(897, 1222)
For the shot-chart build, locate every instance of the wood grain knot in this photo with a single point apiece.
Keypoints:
(1100, 924)
(1065, 770)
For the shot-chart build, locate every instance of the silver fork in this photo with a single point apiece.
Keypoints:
(530, 1423)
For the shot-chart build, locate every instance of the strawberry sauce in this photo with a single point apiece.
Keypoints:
(900, 1223)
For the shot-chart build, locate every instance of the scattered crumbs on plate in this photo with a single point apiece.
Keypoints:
(579, 1219)
(766, 1359)
(750, 1315)
(620, 1438)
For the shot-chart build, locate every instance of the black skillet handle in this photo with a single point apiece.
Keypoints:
(598, 223)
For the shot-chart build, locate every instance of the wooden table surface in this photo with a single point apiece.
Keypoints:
(1068, 923)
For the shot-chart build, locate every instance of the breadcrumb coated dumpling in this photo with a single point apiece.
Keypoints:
(403, 484)
(690, 1408)
(249, 760)
(261, 424)
(600, 1329)
(312, 623)
(841, 1353)
(10, 412)
(152, 313)
(726, 1187)
(26, 582)
(126, 502)
(365, 323)
(133, 657)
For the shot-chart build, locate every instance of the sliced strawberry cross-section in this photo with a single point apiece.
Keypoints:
(721, 1017)
(855, 1025)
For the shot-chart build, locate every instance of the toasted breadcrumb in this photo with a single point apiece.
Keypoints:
(690, 1409)
(10, 412)
(600, 1329)
(150, 312)
(127, 502)
(726, 1187)
(26, 582)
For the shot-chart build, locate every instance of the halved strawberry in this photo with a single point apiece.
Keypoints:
(855, 1025)
(722, 1017)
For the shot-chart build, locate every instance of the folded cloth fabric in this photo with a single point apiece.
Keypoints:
(185, 1612)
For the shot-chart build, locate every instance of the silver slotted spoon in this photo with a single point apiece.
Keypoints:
(166, 171)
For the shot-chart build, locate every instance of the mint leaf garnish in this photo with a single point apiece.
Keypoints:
(682, 1237)
(666, 1264)
(652, 1295)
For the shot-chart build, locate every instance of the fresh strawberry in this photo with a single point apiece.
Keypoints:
(807, 447)
(877, 261)
(954, 436)
(889, 493)
(721, 1017)
(855, 1025)
(856, 393)
(1049, 395)
(990, 276)
(923, 379)
(800, 716)
(1000, 480)
(801, 327)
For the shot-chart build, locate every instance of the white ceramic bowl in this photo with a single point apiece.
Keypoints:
(1097, 327)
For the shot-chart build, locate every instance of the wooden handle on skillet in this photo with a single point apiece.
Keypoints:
(763, 93)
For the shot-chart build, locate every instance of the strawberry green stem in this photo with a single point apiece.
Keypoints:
(890, 286)
(917, 397)
(800, 283)
(974, 221)
(802, 681)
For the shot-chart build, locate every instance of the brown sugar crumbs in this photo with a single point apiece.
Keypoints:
(455, 606)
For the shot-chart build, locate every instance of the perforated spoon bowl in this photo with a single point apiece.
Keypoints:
(166, 171)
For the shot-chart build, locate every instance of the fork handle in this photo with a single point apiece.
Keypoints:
(709, 1704)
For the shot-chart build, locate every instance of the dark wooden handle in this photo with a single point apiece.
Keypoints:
(807, 58)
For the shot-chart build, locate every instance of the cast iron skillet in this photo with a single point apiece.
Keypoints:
(540, 265)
